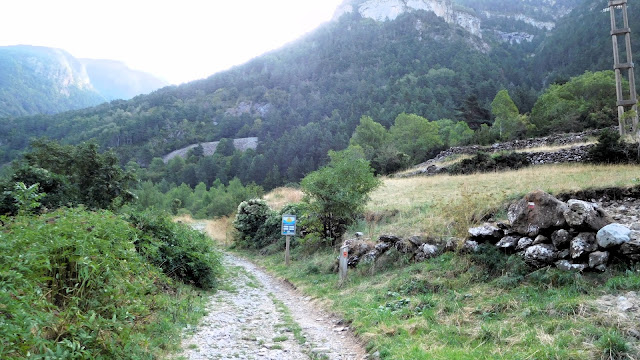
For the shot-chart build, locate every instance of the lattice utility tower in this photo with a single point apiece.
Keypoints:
(619, 67)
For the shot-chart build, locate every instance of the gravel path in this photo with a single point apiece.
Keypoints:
(264, 318)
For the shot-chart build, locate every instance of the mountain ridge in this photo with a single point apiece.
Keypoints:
(44, 80)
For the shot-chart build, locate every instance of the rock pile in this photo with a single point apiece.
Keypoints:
(418, 248)
(574, 235)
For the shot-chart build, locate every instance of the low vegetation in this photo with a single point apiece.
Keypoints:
(78, 281)
(470, 306)
(75, 285)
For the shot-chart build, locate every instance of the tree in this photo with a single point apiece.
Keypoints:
(473, 114)
(370, 136)
(225, 147)
(82, 174)
(337, 193)
(454, 133)
(415, 136)
(508, 123)
(587, 101)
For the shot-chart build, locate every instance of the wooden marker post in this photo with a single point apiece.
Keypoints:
(288, 230)
(344, 258)
(286, 251)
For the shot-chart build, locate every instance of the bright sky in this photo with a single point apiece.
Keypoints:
(178, 40)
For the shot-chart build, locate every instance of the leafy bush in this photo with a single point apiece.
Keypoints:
(259, 227)
(181, 252)
(611, 149)
(336, 194)
(73, 287)
(251, 215)
(483, 162)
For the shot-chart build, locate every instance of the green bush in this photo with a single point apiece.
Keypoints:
(251, 215)
(611, 149)
(181, 252)
(72, 286)
(483, 162)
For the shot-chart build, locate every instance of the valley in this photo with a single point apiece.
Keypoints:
(467, 152)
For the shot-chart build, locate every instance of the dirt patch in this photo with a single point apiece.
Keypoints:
(623, 310)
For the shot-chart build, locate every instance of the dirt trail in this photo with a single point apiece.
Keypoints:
(252, 321)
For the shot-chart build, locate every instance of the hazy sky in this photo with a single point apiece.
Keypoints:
(179, 40)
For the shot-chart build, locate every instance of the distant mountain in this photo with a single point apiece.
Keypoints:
(114, 80)
(41, 80)
(440, 59)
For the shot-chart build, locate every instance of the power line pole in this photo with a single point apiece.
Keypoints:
(619, 67)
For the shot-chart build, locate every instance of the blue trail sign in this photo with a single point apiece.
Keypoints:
(288, 225)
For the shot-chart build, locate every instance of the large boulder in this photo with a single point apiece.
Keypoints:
(486, 232)
(613, 235)
(536, 212)
(357, 250)
(631, 250)
(582, 244)
(540, 255)
(582, 214)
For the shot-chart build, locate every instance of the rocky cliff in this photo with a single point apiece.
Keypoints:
(386, 10)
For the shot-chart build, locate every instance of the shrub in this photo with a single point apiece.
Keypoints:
(252, 214)
(260, 227)
(73, 287)
(483, 162)
(181, 252)
(611, 149)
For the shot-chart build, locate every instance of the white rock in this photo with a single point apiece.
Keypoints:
(613, 235)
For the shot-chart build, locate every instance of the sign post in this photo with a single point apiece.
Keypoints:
(288, 230)
(344, 259)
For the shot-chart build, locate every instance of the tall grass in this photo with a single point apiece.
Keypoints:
(278, 198)
(445, 205)
(73, 286)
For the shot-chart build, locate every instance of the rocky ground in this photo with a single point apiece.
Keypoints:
(257, 318)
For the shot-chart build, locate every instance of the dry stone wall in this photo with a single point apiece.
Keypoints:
(572, 235)
(575, 235)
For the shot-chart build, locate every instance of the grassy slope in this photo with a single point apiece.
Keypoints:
(72, 286)
(470, 307)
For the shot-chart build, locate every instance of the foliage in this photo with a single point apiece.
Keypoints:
(611, 149)
(416, 136)
(72, 286)
(338, 192)
(454, 133)
(27, 198)
(181, 252)
(508, 123)
(587, 101)
(483, 162)
(73, 175)
(250, 217)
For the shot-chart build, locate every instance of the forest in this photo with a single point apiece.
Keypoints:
(416, 72)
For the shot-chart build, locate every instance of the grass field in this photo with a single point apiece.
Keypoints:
(445, 205)
(480, 306)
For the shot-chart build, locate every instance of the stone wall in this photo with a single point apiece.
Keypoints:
(576, 153)
(575, 235)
